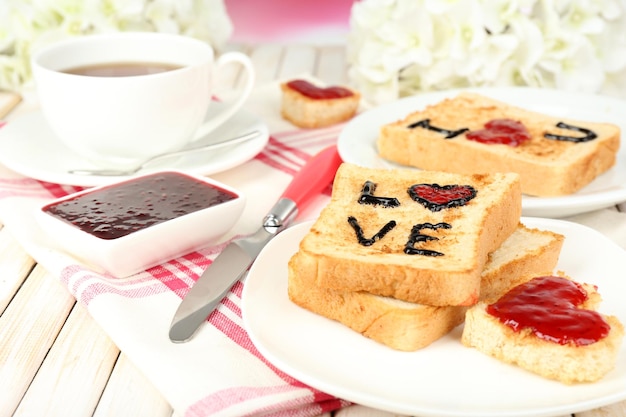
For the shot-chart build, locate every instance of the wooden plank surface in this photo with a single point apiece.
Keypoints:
(28, 329)
(613, 410)
(129, 393)
(73, 375)
(8, 101)
(331, 65)
(297, 60)
(16, 265)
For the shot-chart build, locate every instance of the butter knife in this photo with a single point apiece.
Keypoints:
(233, 262)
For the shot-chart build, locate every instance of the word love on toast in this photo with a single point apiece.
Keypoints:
(417, 236)
(432, 196)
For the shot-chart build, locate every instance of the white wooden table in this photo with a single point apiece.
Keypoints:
(56, 361)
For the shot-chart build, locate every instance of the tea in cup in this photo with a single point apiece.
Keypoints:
(117, 99)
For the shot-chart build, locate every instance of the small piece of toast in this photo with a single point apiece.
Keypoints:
(309, 106)
(549, 326)
(471, 133)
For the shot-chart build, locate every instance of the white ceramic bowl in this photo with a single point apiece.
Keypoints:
(132, 225)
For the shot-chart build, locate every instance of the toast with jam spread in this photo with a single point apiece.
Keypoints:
(548, 325)
(307, 105)
(471, 133)
(409, 326)
(417, 236)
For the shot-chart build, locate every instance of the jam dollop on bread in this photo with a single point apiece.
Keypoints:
(550, 307)
(548, 325)
(308, 105)
(501, 131)
(319, 93)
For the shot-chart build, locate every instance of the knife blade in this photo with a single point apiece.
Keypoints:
(234, 261)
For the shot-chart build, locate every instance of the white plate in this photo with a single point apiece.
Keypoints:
(29, 147)
(357, 141)
(443, 379)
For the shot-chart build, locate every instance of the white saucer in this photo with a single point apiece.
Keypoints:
(29, 147)
(357, 141)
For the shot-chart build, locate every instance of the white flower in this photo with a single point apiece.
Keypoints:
(466, 28)
(204, 19)
(401, 47)
(26, 25)
(610, 46)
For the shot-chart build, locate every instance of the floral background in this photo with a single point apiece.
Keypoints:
(401, 47)
(395, 47)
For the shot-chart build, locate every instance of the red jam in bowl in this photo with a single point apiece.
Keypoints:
(549, 307)
(317, 93)
(118, 210)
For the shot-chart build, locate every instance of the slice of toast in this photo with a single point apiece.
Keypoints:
(565, 355)
(416, 236)
(316, 110)
(409, 326)
(554, 161)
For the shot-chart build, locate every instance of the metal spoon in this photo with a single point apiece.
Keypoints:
(119, 172)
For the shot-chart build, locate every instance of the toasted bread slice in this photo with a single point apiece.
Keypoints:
(547, 166)
(413, 249)
(564, 358)
(311, 112)
(408, 326)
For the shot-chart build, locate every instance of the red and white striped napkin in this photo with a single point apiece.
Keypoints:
(219, 372)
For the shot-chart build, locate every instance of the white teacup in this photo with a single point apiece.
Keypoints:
(118, 120)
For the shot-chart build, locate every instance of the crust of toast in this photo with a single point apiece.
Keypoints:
(547, 167)
(569, 364)
(409, 326)
(477, 228)
(526, 253)
(306, 112)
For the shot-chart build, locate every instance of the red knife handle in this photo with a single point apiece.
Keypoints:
(314, 177)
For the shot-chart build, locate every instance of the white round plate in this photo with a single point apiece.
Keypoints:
(357, 141)
(444, 379)
(29, 147)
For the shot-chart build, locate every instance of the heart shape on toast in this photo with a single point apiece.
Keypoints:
(501, 131)
(549, 306)
(319, 93)
(436, 197)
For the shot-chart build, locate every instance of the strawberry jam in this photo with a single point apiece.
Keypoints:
(317, 93)
(501, 131)
(118, 210)
(549, 307)
(436, 197)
